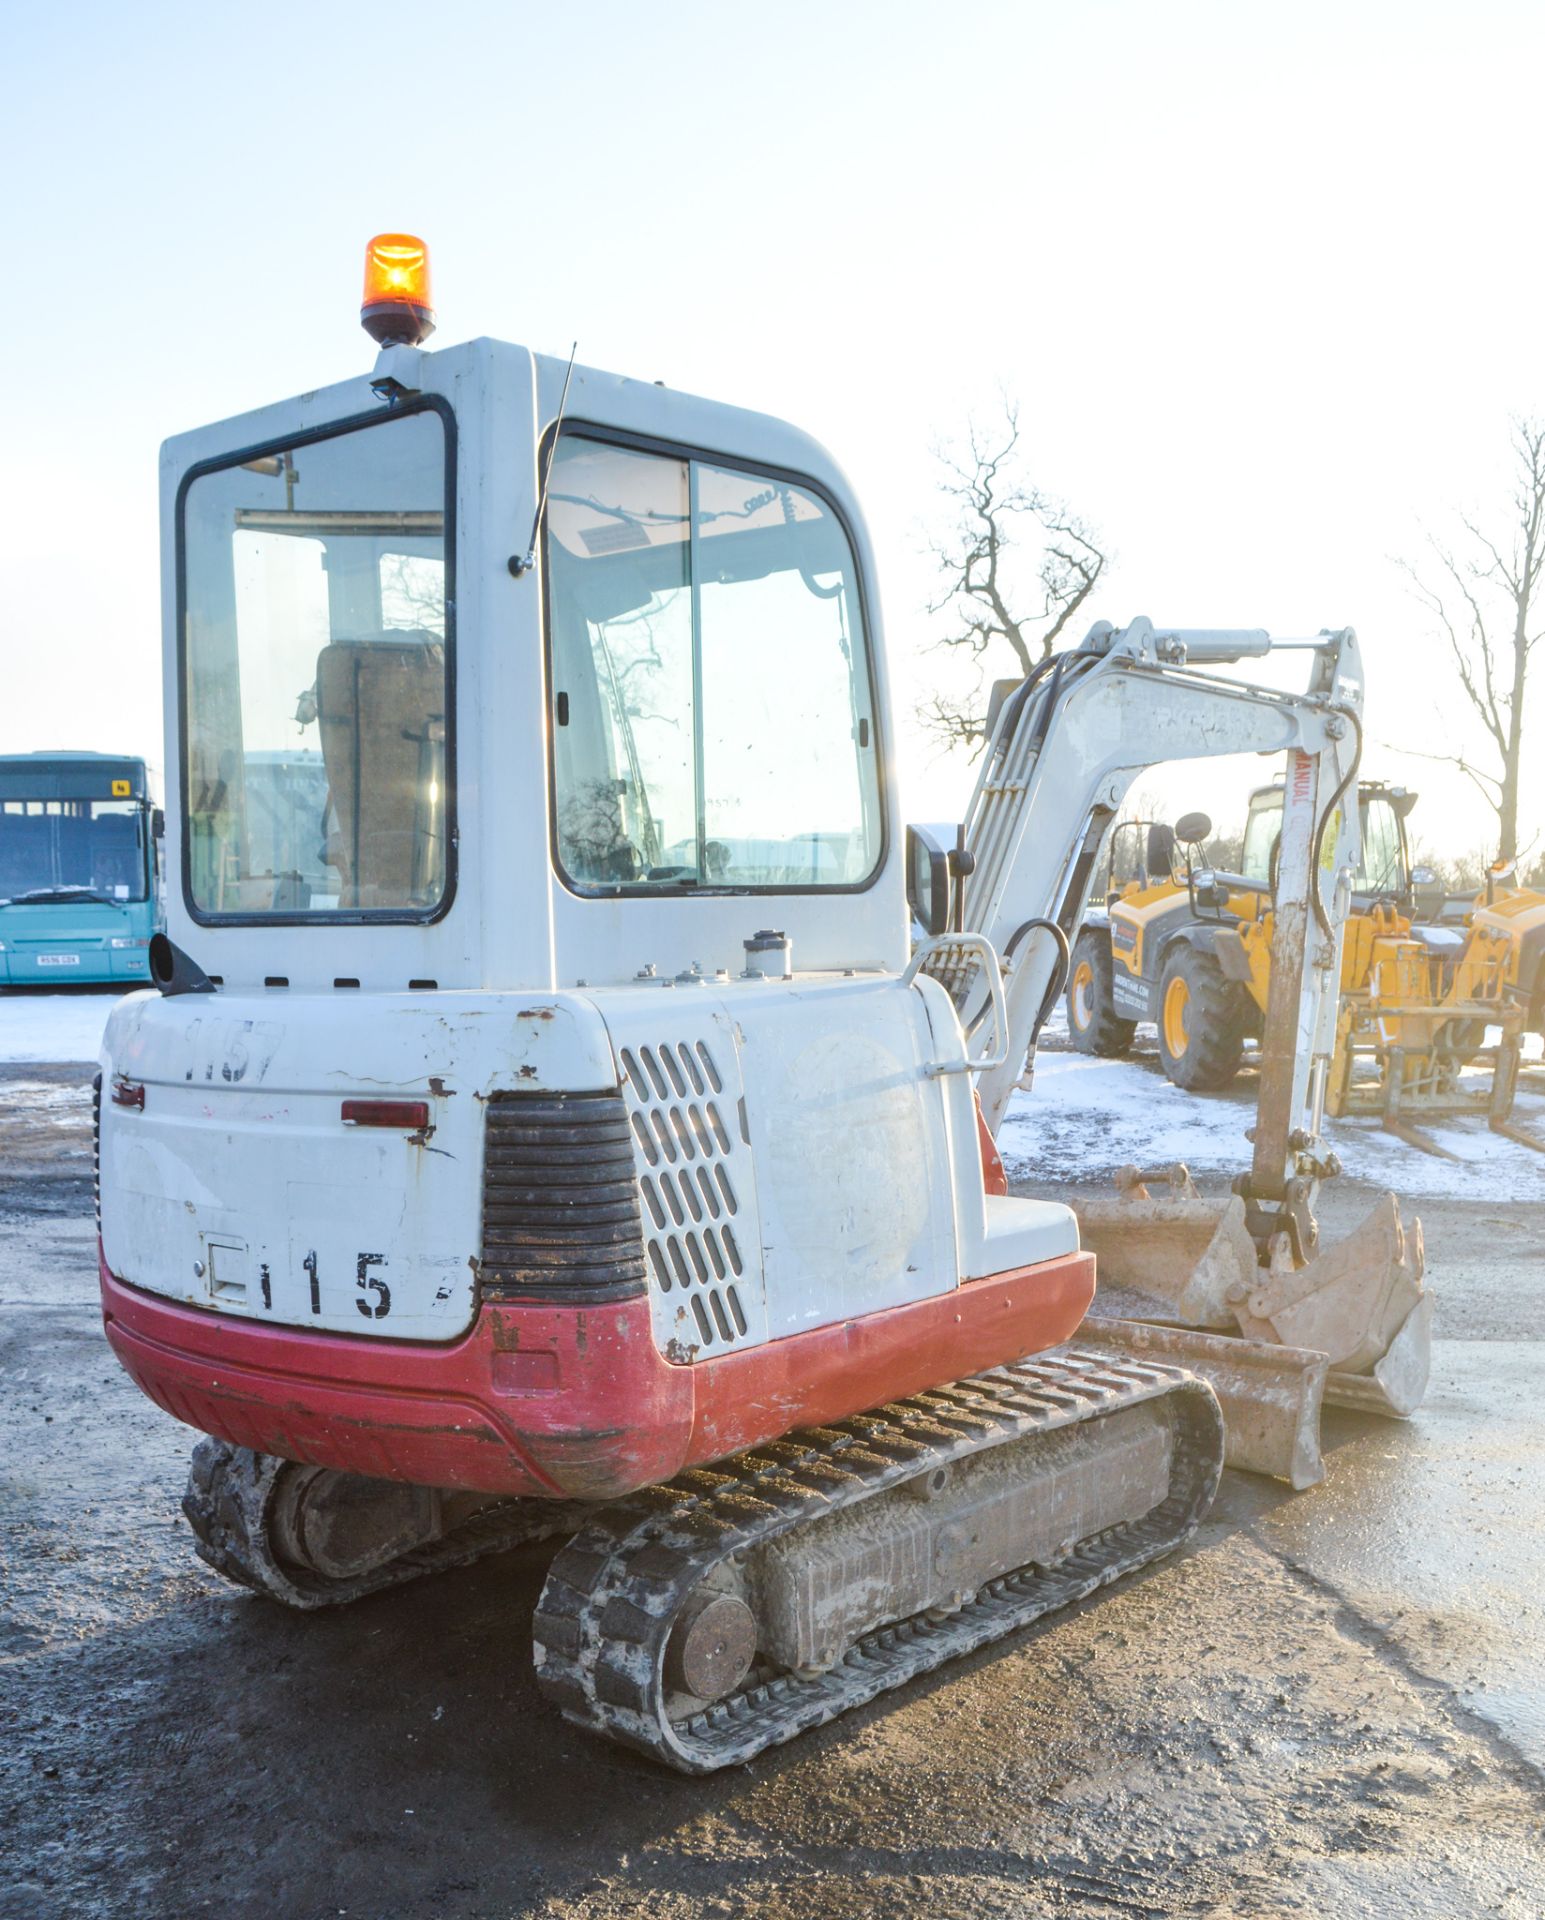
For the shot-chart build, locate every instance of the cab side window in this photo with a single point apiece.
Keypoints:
(712, 716)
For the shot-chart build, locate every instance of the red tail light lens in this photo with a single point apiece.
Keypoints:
(405, 1116)
(128, 1093)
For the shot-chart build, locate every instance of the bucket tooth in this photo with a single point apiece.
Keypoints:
(1270, 1395)
(1348, 1302)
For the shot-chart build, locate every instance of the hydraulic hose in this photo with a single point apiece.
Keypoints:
(1054, 986)
(1321, 917)
(1016, 700)
(1059, 978)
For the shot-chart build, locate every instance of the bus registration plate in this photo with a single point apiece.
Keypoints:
(58, 959)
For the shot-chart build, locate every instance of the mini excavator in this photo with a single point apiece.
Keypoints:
(540, 1124)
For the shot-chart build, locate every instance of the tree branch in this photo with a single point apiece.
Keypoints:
(985, 562)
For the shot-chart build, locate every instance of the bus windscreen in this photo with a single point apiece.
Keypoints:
(73, 849)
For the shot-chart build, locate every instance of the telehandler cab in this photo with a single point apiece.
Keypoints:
(565, 1142)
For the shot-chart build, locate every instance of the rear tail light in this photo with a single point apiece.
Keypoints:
(128, 1093)
(405, 1116)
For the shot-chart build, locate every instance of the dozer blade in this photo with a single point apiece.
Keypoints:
(1270, 1395)
(1195, 1255)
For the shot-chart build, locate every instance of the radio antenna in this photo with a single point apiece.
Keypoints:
(522, 563)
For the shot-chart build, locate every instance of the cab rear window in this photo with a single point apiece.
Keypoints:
(316, 687)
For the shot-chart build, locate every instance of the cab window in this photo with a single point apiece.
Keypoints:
(712, 717)
(1262, 830)
(1382, 869)
(315, 677)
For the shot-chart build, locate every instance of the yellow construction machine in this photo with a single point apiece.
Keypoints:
(1515, 915)
(1189, 947)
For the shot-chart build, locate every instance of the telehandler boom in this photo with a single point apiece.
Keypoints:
(560, 1140)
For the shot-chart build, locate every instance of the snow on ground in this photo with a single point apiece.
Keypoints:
(54, 1026)
(1086, 1117)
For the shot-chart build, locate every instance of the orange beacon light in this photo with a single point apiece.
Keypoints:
(397, 309)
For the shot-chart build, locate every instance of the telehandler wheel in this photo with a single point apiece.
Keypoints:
(1203, 1017)
(1464, 1039)
(1095, 1025)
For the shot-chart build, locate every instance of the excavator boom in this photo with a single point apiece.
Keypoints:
(1066, 748)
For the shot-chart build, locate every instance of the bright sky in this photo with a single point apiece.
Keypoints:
(1267, 281)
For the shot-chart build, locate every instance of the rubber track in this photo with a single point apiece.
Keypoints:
(230, 1496)
(613, 1592)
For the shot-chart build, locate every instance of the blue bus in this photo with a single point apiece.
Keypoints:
(80, 891)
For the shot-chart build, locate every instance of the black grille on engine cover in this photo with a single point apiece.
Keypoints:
(560, 1200)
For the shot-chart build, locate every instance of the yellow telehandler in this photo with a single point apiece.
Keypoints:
(1189, 948)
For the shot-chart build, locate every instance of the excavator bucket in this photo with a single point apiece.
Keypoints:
(1348, 1302)
(1194, 1254)
(1351, 1325)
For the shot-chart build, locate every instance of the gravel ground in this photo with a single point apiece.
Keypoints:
(1331, 1703)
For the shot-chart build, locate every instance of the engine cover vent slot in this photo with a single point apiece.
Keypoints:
(694, 1181)
(561, 1218)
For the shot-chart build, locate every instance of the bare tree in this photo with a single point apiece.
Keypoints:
(1017, 566)
(1488, 602)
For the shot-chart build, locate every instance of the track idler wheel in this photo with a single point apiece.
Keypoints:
(311, 1536)
(343, 1526)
